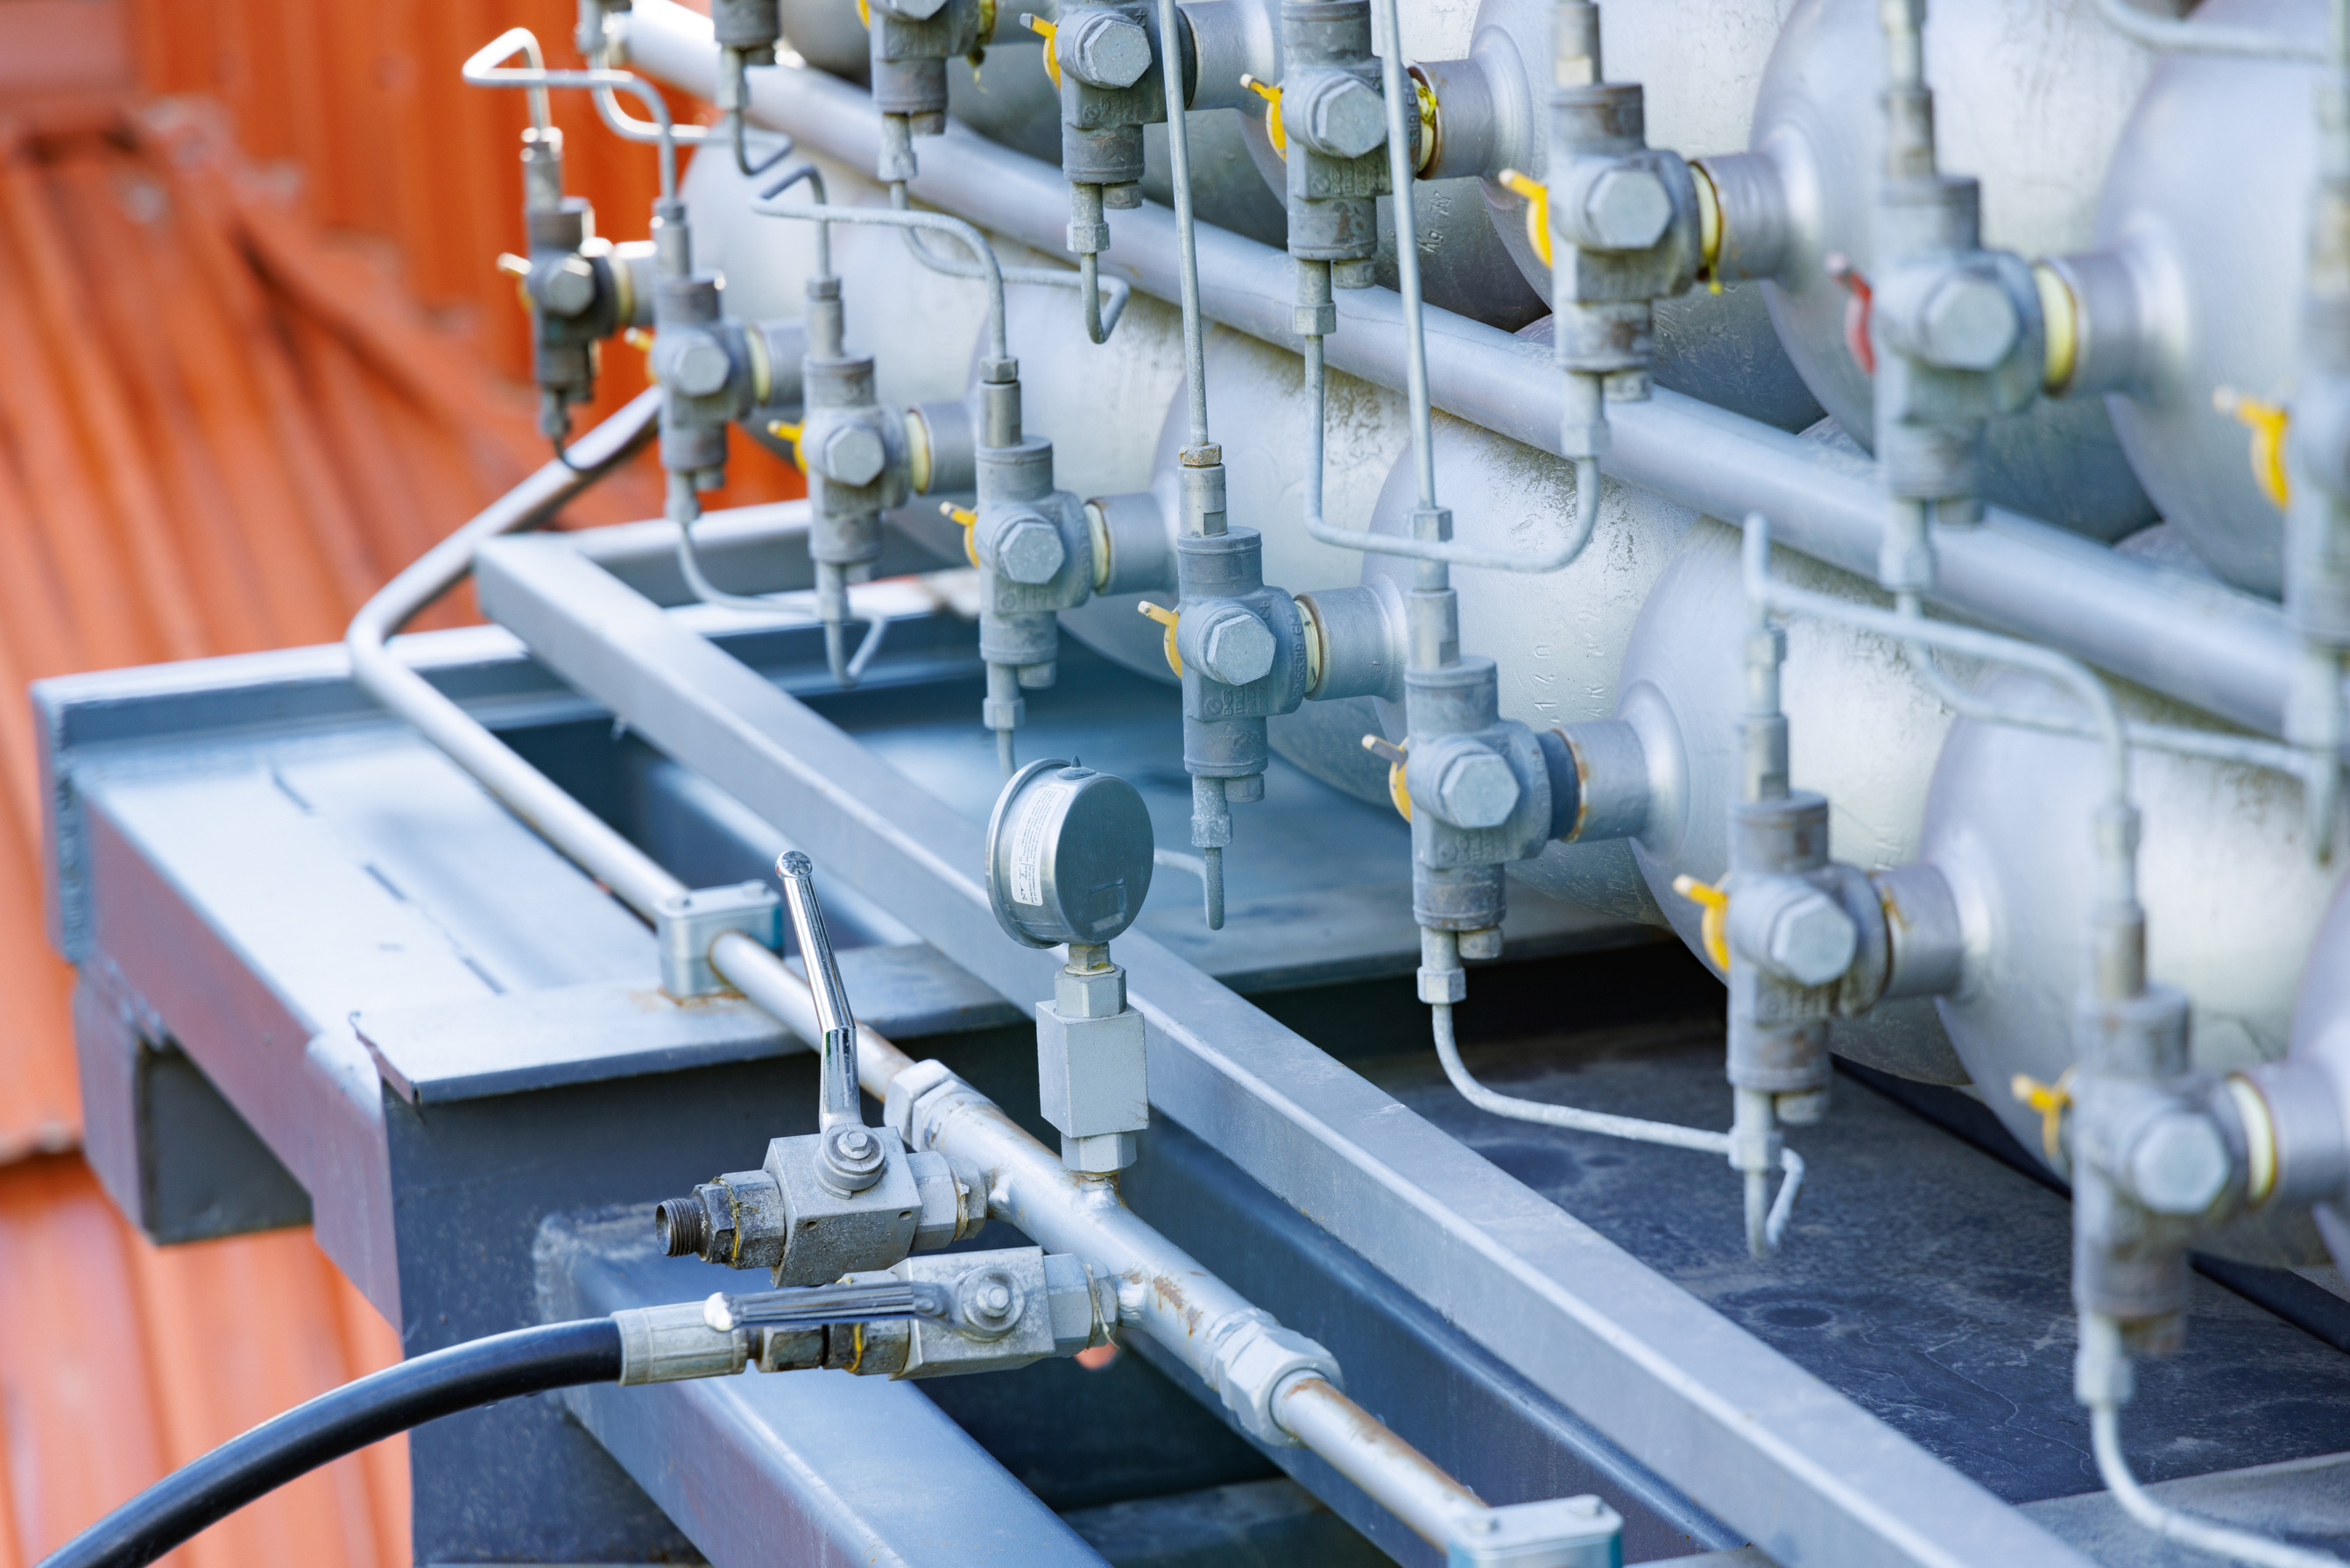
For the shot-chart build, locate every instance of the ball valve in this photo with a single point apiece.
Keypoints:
(846, 1197)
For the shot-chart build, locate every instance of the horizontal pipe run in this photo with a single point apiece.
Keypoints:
(1410, 1484)
(2220, 650)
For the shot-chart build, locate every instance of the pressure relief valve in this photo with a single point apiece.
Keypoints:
(1068, 862)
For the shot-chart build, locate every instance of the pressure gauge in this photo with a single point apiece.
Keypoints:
(1068, 854)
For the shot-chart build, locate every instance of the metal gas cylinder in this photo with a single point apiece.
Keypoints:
(2231, 895)
(1862, 731)
(2030, 98)
(1699, 63)
(2207, 207)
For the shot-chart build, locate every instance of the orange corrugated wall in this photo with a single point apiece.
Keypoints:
(258, 359)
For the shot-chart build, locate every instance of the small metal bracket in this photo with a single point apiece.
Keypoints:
(1557, 1533)
(687, 925)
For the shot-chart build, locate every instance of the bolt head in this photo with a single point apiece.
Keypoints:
(1107, 51)
(1343, 117)
(2179, 1165)
(1477, 789)
(699, 365)
(855, 1142)
(1238, 649)
(1628, 209)
(565, 288)
(1030, 551)
(1968, 323)
(852, 454)
(1812, 942)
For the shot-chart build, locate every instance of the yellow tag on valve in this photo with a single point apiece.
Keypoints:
(1713, 924)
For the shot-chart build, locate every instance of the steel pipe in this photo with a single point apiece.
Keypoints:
(1407, 1482)
(632, 875)
(2208, 646)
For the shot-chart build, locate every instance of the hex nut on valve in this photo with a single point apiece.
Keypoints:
(1476, 789)
(1029, 550)
(1235, 647)
(852, 454)
(1812, 939)
(1627, 210)
(988, 1303)
(1968, 323)
(2180, 1164)
(1108, 52)
(698, 366)
(1342, 117)
(565, 288)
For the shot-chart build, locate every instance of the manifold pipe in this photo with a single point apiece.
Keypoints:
(2208, 646)
(1163, 1291)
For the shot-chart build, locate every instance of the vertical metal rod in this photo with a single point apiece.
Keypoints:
(1178, 160)
(1401, 174)
(838, 1104)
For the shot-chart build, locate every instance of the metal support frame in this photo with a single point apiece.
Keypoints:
(1766, 1447)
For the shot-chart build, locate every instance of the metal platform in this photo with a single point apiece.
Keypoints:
(322, 974)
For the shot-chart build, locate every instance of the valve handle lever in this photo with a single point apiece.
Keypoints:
(840, 1106)
(814, 1307)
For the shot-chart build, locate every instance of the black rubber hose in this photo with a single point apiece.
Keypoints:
(441, 1383)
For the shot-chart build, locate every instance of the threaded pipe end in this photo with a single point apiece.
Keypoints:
(681, 1226)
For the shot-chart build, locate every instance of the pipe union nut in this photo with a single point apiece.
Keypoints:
(1627, 209)
(1340, 116)
(1968, 323)
(1252, 1367)
(1476, 788)
(1105, 51)
(696, 365)
(1235, 647)
(2180, 1164)
(1028, 549)
(852, 454)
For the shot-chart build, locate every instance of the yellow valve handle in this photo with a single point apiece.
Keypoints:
(638, 339)
(1537, 197)
(2049, 1100)
(864, 15)
(1713, 926)
(1044, 30)
(965, 519)
(517, 268)
(1272, 96)
(1395, 756)
(792, 434)
(1166, 617)
(1427, 99)
(2267, 422)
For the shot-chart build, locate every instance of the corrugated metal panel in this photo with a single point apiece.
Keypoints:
(255, 356)
(121, 1361)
